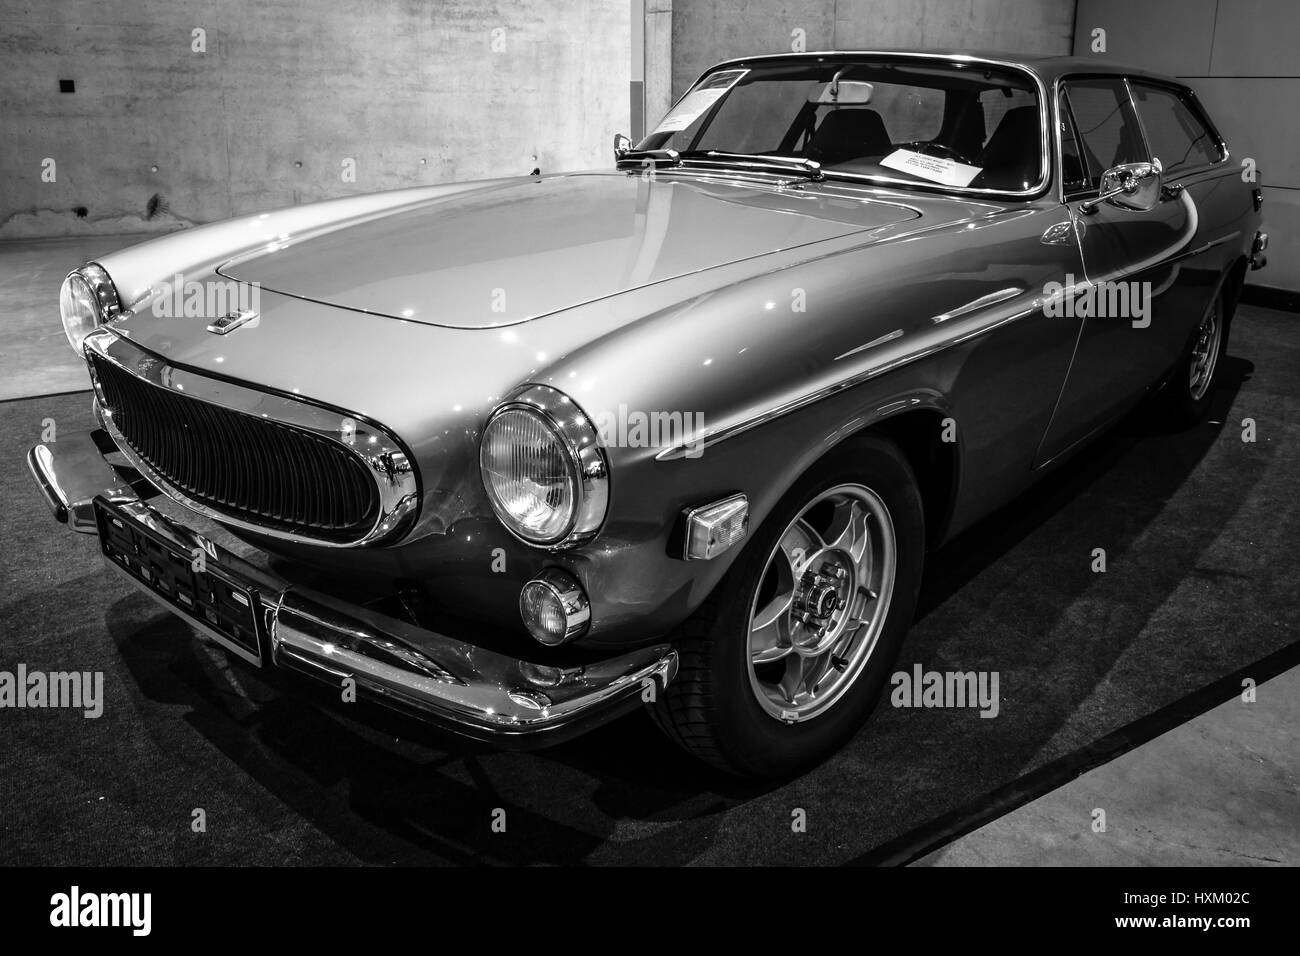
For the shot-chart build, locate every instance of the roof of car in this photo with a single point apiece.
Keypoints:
(1047, 67)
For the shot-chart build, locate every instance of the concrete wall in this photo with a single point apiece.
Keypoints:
(414, 91)
(658, 66)
(706, 31)
(1240, 57)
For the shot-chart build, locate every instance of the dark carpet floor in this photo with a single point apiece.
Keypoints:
(1200, 531)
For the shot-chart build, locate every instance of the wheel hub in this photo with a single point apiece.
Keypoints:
(821, 602)
(823, 592)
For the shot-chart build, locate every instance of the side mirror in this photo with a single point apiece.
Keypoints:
(621, 145)
(1133, 186)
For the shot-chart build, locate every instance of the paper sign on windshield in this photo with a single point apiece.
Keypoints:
(697, 102)
(946, 171)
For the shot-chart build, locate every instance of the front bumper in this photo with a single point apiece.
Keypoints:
(468, 689)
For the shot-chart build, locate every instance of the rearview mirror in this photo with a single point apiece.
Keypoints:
(842, 93)
(621, 145)
(1133, 186)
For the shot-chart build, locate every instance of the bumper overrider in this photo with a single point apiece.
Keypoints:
(465, 688)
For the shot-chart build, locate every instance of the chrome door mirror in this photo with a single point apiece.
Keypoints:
(621, 145)
(1133, 186)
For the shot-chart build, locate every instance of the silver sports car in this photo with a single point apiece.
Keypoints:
(518, 456)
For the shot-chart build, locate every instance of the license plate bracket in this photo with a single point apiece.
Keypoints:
(212, 599)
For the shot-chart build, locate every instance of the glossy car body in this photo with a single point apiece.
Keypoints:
(412, 315)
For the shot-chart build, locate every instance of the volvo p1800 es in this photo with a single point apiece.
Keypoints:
(518, 456)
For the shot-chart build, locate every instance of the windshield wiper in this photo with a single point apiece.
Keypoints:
(671, 157)
(795, 164)
(639, 157)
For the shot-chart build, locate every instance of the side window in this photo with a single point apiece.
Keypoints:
(1107, 126)
(1178, 137)
(1074, 169)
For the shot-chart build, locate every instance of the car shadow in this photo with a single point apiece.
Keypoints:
(1014, 594)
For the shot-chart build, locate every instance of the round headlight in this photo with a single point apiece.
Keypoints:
(542, 468)
(79, 309)
(86, 300)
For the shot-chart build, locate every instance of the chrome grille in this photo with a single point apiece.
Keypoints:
(261, 472)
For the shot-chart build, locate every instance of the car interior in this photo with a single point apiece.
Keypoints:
(851, 117)
(855, 139)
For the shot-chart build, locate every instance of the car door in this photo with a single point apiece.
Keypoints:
(1130, 293)
(1197, 179)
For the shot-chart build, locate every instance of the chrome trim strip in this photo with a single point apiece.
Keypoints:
(993, 298)
(385, 459)
(881, 340)
(981, 327)
(583, 443)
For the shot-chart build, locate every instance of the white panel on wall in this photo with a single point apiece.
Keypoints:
(1257, 38)
(1167, 36)
(1246, 112)
(1240, 57)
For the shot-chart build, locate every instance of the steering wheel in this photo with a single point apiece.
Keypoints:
(942, 150)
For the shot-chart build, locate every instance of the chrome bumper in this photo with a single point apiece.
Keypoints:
(466, 688)
(1257, 258)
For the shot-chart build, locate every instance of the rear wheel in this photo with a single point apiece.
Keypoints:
(1186, 396)
(788, 656)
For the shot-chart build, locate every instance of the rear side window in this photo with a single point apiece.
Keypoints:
(1107, 126)
(1177, 136)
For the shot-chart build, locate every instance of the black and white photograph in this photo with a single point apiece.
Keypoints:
(649, 433)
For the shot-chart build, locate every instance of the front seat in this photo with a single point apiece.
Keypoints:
(846, 134)
(1011, 156)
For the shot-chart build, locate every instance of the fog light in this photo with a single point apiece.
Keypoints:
(715, 527)
(554, 607)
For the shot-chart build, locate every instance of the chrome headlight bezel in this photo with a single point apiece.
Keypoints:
(90, 283)
(579, 441)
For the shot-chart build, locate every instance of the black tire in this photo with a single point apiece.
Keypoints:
(1182, 403)
(711, 710)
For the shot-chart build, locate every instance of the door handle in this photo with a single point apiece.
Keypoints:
(1171, 190)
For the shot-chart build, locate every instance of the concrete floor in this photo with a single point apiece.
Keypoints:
(1223, 788)
(1220, 790)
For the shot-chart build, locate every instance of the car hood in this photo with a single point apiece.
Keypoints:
(505, 255)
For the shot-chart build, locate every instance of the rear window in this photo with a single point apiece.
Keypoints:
(1175, 133)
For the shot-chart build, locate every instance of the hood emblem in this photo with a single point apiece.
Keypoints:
(233, 320)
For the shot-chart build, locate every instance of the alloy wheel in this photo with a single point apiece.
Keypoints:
(821, 602)
(1205, 355)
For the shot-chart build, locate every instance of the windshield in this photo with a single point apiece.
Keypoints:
(938, 123)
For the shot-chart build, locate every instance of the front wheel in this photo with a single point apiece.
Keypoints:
(788, 656)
